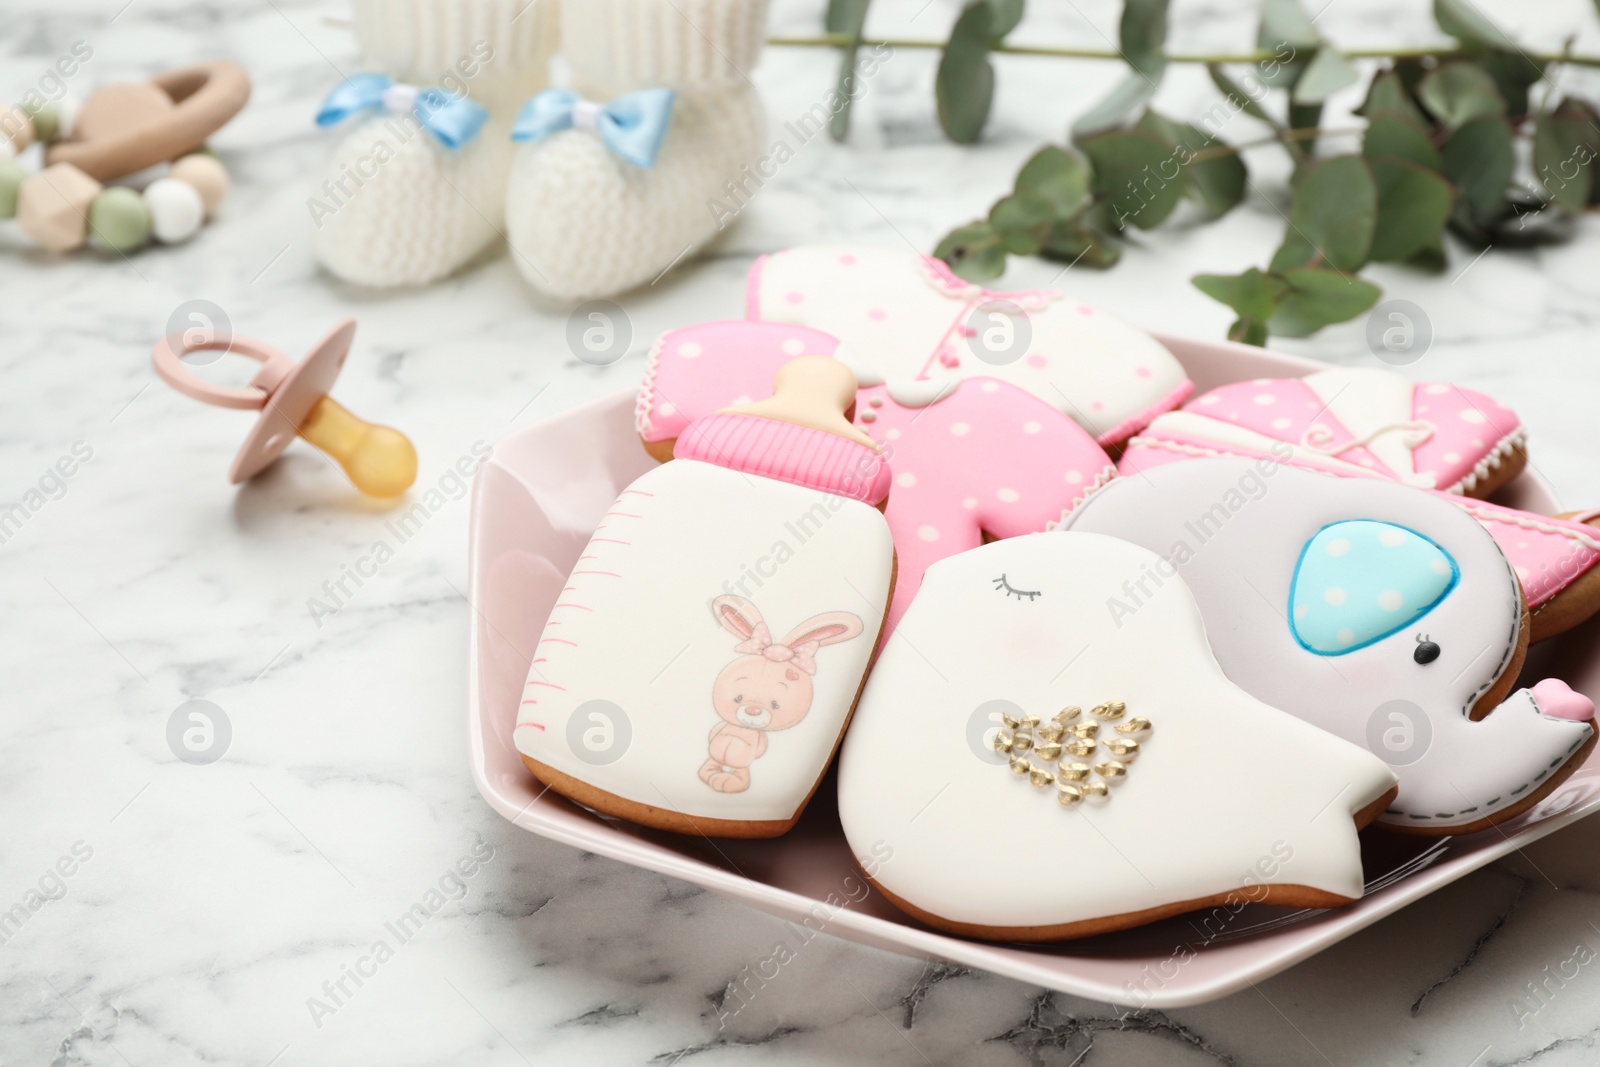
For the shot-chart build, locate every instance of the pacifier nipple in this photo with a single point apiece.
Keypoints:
(814, 392)
(380, 460)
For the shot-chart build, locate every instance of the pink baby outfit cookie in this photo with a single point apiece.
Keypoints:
(1347, 422)
(972, 457)
(708, 647)
(1379, 613)
(918, 320)
(1426, 434)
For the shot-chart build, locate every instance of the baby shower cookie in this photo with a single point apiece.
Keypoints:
(1352, 420)
(1384, 615)
(1035, 768)
(915, 319)
(974, 458)
(703, 659)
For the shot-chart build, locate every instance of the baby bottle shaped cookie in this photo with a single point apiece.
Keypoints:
(700, 665)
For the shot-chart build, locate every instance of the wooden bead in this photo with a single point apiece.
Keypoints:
(16, 127)
(53, 206)
(11, 178)
(207, 175)
(119, 219)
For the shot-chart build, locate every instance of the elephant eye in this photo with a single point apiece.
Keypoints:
(738, 698)
(774, 705)
(1426, 651)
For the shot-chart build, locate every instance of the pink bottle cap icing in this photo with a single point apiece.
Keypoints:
(1559, 701)
(797, 435)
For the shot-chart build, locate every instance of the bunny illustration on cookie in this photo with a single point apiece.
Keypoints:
(767, 688)
(1381, 613)
(1034, 768)
(770, 510)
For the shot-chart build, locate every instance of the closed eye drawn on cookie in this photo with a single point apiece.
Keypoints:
(1005, 587)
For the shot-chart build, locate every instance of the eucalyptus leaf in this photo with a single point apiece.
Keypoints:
(1413, 206)
(1388, 93)
(1317, 297)
(1061, 176)
(1479, 158)
(1071, 242)
(1565, 143)
(1392, 136)
(1023, 221)
(1302, 117)
(848, 17)
(1335, 208)
(1462, 20)
(1215, 176)
(1326, 74)
(1513, 74)
(1003, 17)
(1248, 332)
(1143, 36)
(1236, 93)
(1129, 95)
(964, 85)
(1295, 251)
(1252, 294)
(1286, 22)
(1137, 174)
(1459, 92)
(974, 252)
(1430, 258)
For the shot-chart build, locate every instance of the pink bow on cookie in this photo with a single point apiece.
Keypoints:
(760, 643)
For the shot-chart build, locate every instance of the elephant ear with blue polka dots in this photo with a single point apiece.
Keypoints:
(1357, 582)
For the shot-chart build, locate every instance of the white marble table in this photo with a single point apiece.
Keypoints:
(208, 905)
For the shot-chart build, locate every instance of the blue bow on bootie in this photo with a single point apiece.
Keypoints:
(631, 127)
(453, 120)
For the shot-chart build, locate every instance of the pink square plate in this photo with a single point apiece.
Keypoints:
(534, 505)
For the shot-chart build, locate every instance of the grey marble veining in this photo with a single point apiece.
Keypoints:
(333, 890)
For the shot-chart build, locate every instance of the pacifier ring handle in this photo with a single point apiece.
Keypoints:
(168, 359)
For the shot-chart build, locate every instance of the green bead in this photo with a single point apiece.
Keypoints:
(11, 179)
(46, 122)
(119, 219)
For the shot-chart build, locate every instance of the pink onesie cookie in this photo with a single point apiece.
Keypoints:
(974, 458)
(1367, 423)
(672, 688)
(917, 320)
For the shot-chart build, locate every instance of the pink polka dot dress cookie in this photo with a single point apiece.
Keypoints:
(918, 320)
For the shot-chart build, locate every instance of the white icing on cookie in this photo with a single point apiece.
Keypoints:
(636, 628)
(1237, 530)
(1223, 781)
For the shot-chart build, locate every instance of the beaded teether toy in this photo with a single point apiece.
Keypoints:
(121, 130)
(293, 401)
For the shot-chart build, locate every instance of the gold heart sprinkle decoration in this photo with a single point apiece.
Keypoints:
(1070, 736)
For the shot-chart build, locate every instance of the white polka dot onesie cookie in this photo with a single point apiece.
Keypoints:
(1381, 613)
(708, 648)
(1026, 766)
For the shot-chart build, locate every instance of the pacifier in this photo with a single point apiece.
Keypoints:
(293, 400)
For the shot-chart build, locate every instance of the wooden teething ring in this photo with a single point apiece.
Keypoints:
(203, 98)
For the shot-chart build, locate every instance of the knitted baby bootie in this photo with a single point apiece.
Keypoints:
(417, 187)
(615, 180)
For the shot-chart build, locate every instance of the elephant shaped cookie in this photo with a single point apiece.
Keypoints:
(1025, 766)
(1382, 614)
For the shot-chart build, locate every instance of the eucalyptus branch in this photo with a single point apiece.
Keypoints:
(1260, 55)
(1206, 155)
